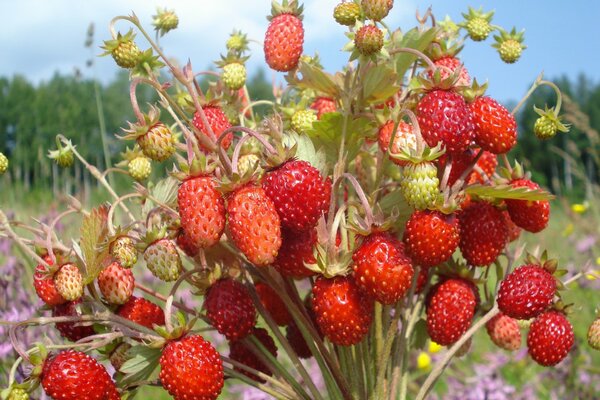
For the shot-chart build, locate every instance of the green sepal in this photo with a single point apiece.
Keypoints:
(141, 365)
(147, 64)
(506, 191)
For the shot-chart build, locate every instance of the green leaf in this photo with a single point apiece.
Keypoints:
(314, 78)
(164, 191)
(506, 191)
(94, 230)
(415, 40)
(143, 362)
(305, 150)
(380, 83)
(394, 203)
(327, 134)
(420, 335)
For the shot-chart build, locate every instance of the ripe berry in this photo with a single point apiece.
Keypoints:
(295, 251)
(343, 313)
(69, 282)
(239, 352)
(142, 312)
(382, 269)
(299, 192)
(45, 288)
(324, 105)
(450, 310)
(218, 122)
(116, 283)
(368, 40)
(487, 163)
(504, 332)
(229, 308)
(191, 368)
(405, 139)
(273, 304)
(526, 292)
(284, 40)
(495, 126)
(533, 216)
(431, 237)
(72, 331)
(483, 233)
(449, 66)
(550, 338)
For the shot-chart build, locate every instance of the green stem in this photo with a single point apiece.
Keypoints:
(532, 89)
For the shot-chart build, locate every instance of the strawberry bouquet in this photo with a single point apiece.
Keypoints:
(365, 213)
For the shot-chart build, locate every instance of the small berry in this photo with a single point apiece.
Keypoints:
(593, 335)
(346, 13)
(165, 21)
(69, 282)
(123, 250)
(431, 237)
(302, 120)
(273, 304)
(234, 75)
(140, 168)
(43, 281)
(72, 331)
(495, 126)
(376, 10)
(483, 233)
(218, 122)
(158, 143)
(296, 250)
(477, 24)
(123, 50)
(162, 259)
(239, 352)
(323, 105)
(284, 40)
(116, 283)
(404, 140)
(550, 338)
(18, 394)
(504, 331)
(533, 216)
(368, 40)
(509, 45)
(419, 185)
(142, 312)
(3, 163)
(449, 66)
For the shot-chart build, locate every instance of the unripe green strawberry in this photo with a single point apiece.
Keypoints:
(63, 156)
(509, 45)
(69, 282)
(165, 21)
(346, 13)
(119, 355)
(3, 163)
(248, 161)
(123, 50)
(593, 336)
(302, 120)
(545, 128)
(116, 283)
(368, 40)
(477, 24)
(419, 185)
(376, 9)
(236, 42)
(234, 75)
(122, 249)
(140, 168)
(158, 143)
(18, 394)
(163, 260)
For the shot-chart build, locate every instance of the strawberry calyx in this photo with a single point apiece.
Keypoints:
(286, 7)
(179, 329)
(141, 127)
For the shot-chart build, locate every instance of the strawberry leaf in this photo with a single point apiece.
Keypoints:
(305, 150)
(164, 191)
(380, 83)
(505, 191)
(414, 40)
(141, 365)
(314, 78)
(94, 230)
(420, 336)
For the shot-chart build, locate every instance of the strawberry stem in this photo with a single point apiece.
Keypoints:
(369, 218)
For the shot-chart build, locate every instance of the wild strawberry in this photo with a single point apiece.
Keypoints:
(116, 283)
(284, 37)
(234, 75)
(73, 375)
(142, 312)
(495, 126)
(346, 13)
(420, 186)
(444, 117)
(140, 168)
(504, 332)
(545, 128)
(218, 122)
(123, 50)
(254, 224)
(448, 66)
(202, 211)
(69, 282)
(509, 45)
(533, 216)
(185, 243)
(119, 355)
(239, 352)
(72, 331)
(297, 342)
(324, 105)
(302, 120)
(296, 250)
(273, 304)
(477, 24)
(513, 230)
(483, 233)
(593, 335)
(343, 313)
(123, 250)
(382, 269)
(550, 338)
(43, 281)
(300, 194)
(431, 237)
(191, 368)
(487, 163)
(3, 163)
(376, 10)
(158, 142)
(405, 139)
(164, 21)
(162, 259)
(230, 309)
(450, 310)
(460, 163)
(368, 40)
(17, 393)
(526, 292)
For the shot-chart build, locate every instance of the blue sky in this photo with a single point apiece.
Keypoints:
(42, 37)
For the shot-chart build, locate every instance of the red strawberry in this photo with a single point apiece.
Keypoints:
(444, 117)
(405, 139)
(43, 281)
(229, 308)
(450, 310)
(487, 163)
(460, 163)
(72, 331)
(343, 313)
(142, 311)
(483, 233)
(431, 237)
(513, 230)
(297, 342)
(238, 351)
(550, 338)
(323, 105)
(284, 37)
(382, 269)
(116, 283)
(191, 368)
(449, 65)
(217, 120)
(532, 216)
(73, 375)
(296, 250)
(526, 292)
(185, 243)
(504, 332)
(299, 192)
(254, 224)
(202, 211)
(273, 304)
(495, 126)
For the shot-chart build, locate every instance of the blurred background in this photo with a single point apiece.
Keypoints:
(52, 81)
